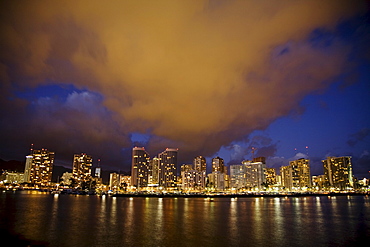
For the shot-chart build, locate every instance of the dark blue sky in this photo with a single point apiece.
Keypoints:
(209, 78)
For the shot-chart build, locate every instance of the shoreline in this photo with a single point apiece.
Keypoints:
(240, 195)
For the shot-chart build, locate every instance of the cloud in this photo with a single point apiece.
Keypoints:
(358, 137)
(192, 74)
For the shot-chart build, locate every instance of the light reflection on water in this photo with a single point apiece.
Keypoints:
(65, 220)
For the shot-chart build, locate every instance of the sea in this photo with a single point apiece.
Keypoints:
(32, 218)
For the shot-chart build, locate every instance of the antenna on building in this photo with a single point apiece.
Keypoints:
(253, 150)
(31, 148)
(307, 150)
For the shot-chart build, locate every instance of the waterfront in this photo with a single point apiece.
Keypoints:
(30, 217)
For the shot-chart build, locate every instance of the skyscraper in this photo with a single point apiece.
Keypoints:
(200, 163)
(296, 175)
(200, 166)
(82, 165)
(270, 175)
(39, 167)
(140, 167)
(237, 176)
(338, 172)
(154, 171)
(255, 173)
(168, 167)
(218, 165)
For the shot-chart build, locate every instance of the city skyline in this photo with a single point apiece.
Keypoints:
(212, 78)
(162, 172)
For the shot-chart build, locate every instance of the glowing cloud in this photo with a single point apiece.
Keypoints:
(195, 74)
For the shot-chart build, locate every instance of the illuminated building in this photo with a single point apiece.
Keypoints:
(296, 175)
(67, 178)
(154, 171)
(270, 175)
(39, 167)
(168, 167)
(318, 181)
(114, 181)
(255, 173)
(338, 172)
(82, 164)
(140, 167)
(194, 176)
(27, 169)
(200, 163)
(237, 176)
(125, 181)
(218, 165)
(218, 181)
(98, 170)
(188, 177)
(12, 177)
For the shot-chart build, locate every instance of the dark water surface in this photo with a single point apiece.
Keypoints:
(34, 218)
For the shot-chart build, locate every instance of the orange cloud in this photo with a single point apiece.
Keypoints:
(197, 73)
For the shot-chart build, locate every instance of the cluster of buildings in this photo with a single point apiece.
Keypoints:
(161, 173)
(251, 175)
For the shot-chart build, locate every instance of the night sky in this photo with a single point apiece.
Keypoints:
(212, 78)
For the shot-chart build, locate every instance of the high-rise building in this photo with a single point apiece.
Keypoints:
(270, 175)
(114, 181)
(200, 163)
(82, 165)
(154, 171)
(140, 167)
(296, 175)
(193, 176)
(218, 181)
(218, 165)
(338, 172)
(125, 181)
(168, 167)
(237, 176)
(98, 170)
(39, 167)
(255, 173)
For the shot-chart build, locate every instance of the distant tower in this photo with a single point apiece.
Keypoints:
(140, 167)
(98, 170)
(168, 167)
(39, 167)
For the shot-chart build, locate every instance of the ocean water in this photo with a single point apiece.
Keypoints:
(40, 219)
